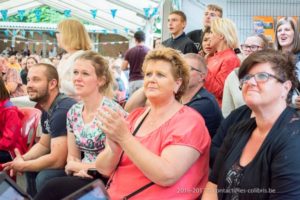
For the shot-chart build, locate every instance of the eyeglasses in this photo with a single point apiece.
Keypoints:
(260, 77)
(245, 47)
(195, 69)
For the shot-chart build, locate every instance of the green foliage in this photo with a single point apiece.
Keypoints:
(48, 15)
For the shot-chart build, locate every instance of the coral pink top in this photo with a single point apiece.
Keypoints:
(219, 67)
(187, 128)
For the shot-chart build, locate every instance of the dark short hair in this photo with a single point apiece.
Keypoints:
(283, 65)
(4, 94)
(139, 36)
(180, 13)
(50, 71)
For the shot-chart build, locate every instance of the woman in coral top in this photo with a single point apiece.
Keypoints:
(10, 126)
(223, 40)
(165, 146)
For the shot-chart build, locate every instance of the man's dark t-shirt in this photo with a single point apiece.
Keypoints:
(135, 57)
(55, 122)
(181, 43)
(196, 37)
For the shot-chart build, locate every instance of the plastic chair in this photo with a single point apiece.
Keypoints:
(30, 123)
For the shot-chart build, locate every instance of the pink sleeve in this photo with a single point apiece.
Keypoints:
(188, 129)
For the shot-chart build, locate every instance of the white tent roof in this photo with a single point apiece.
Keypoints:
(130, 13)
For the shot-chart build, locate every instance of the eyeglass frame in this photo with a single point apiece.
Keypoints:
(256, 47)
(250, 76)
(195, 69)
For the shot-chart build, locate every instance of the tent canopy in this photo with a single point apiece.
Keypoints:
(130, 14)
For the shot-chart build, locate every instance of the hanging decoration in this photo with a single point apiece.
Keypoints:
(23, 33)
(146, 12)
(126, 30)
(31, 34)
(51, 33)
(4, 14)
(154, 12)
(39, 42)
(21, 14)
(113, 12)
(104, 31)
(38, 13)
(67, 13)
(6, 33)
(94, 13)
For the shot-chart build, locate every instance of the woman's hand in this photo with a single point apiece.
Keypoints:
(82, 173)
(114, 126)
(72, 167)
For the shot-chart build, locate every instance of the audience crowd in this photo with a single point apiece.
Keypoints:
(199, 115)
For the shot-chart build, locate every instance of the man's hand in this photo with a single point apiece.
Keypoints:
(17, 165)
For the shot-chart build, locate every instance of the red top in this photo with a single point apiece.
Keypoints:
(219, 67)
(187, 128)
(10, 128)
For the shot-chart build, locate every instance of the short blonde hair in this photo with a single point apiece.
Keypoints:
(180, 68)
(74, 35)
(226, 28)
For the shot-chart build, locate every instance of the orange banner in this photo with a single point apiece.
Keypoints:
(264, 25)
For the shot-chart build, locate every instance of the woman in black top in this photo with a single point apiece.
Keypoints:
(260, 158)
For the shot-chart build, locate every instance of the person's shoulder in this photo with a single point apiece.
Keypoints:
(188, 114)
(194, 33)
(167, 41)
(65, 103)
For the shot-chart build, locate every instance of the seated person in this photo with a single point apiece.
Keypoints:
(10, 127)
(92, 81)
(169, 154)
(12, 79)
(259, 157)
(47, 158)
(165, 156)
(195, 96)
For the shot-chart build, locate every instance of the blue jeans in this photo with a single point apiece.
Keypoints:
(36, 180)
(135, 85)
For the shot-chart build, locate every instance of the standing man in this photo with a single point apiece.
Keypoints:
(210, 13)
(47, 158)
(178, 40)
(133, 61)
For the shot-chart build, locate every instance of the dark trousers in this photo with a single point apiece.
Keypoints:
(5, 156)
(59, 188)
(36, 180)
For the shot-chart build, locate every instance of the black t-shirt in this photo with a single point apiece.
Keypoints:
(55, 122)
(181, 43)
(196, 37)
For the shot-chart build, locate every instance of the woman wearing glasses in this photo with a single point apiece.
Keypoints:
(259, 158)
(232, 96)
